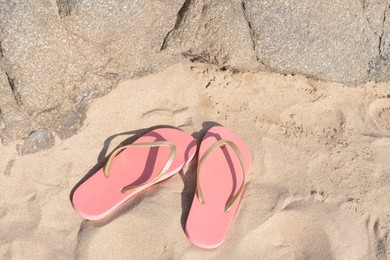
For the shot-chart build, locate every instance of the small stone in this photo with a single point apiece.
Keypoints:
(71, 122)
(38, 140)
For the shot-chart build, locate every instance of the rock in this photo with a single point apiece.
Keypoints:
(215, 32)
(332, 42)
(385, 35)
(39, 57)
(381, 63)
(13, 122)
(56, 55)
(70, 122)
(38, 140)
(127, 35)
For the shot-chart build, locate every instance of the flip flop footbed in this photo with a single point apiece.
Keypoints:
(220, 177)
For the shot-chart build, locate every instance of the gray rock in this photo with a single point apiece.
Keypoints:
(13, 121)
(70, 122)
(56, 55)
(380, 69)
(38, 140)
(41, 62)
(123, 36)
(342, 41)
(215, 32)
(326, 40)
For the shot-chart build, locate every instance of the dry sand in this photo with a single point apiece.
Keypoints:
(319, 186)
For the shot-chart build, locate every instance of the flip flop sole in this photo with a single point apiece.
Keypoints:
(99, 196)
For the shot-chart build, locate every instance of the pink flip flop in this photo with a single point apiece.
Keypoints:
(223, 162)
(153, 157)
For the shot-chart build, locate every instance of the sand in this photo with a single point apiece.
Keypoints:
(318, 188)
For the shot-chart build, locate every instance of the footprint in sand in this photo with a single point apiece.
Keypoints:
(179, 116)
(379, 111)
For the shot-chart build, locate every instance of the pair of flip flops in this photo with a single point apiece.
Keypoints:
(223, 162)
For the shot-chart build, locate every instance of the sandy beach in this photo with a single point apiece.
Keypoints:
(318, 187)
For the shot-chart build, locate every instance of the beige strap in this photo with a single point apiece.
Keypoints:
(168, 164)
(221, 143)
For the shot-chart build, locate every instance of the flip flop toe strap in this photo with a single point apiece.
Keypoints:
(221, 143)
(168, 163)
